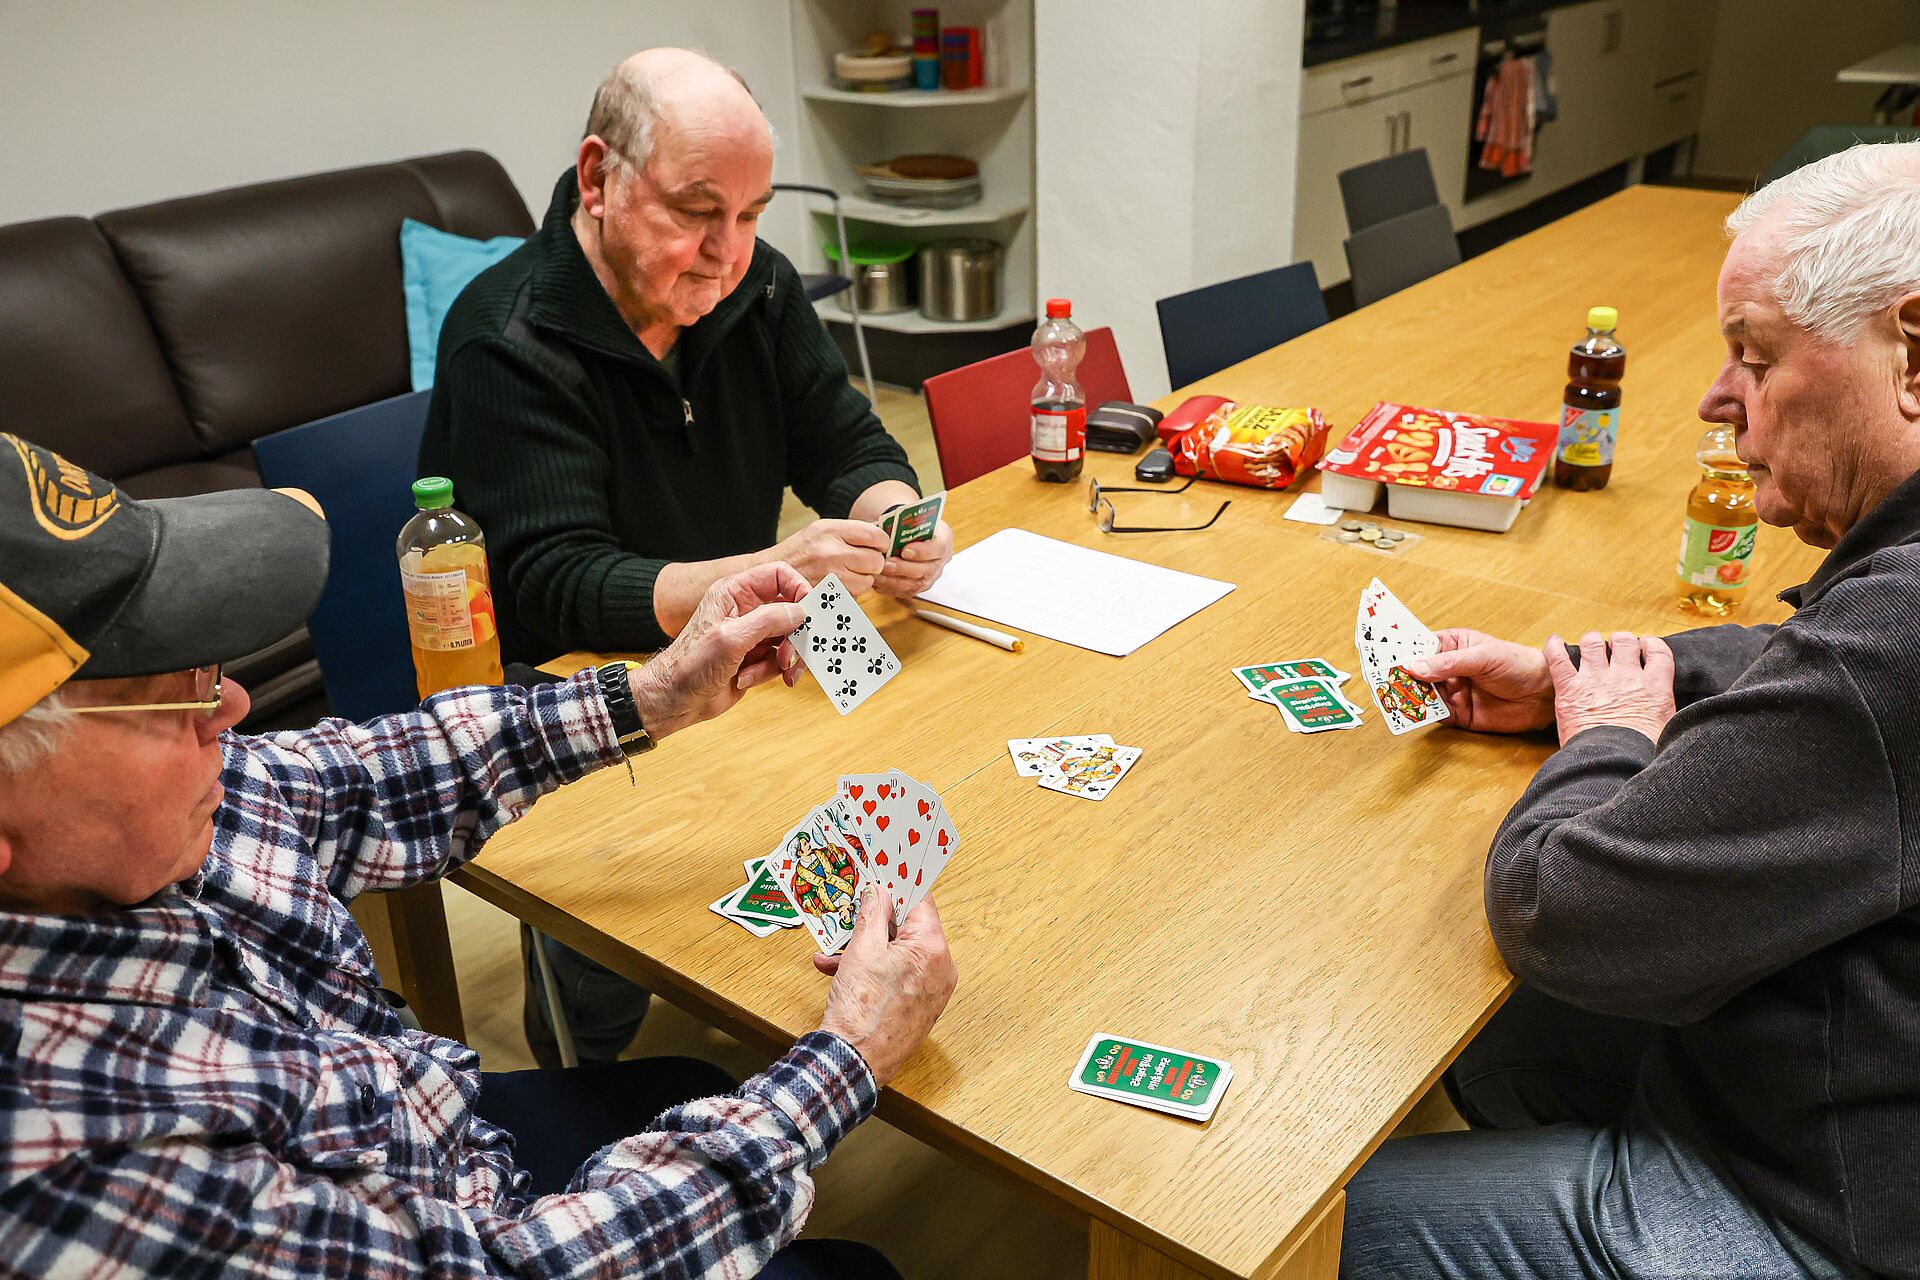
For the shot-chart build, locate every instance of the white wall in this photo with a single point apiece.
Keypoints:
(1771, 75)
(107, 103)
(1166, 140)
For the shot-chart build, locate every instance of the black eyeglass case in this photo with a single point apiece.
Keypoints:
(1120, 427)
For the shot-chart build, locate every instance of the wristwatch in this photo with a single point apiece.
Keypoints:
(627, 729)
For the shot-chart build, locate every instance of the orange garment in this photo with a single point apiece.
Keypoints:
(1505, 125)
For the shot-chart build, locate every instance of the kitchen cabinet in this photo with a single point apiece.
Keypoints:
(1684, 35)
(1366, 108)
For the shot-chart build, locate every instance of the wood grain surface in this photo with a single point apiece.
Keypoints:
(1306, 907)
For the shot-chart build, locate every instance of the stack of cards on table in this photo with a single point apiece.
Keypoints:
(841, 646)
(881, 828)
(1089, 766)
(1388, 637)
(914, 522)
(1307, 691)
(1151, 1076)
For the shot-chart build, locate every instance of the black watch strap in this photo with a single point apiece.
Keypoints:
(627, 729)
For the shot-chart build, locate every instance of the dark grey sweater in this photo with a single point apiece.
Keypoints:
(1752, 882)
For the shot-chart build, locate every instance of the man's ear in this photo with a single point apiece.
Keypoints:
(590, 166)
(1906, 319)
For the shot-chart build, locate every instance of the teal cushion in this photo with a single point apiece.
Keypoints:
(435, 266)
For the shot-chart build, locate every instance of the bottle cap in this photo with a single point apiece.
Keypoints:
(1059, 309)
(431, 493)
(1605, 319)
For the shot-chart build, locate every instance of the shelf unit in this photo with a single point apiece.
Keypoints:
(993, 125)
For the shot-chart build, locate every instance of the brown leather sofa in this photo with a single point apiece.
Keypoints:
(152, 345)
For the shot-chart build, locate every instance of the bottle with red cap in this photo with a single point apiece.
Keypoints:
(1059, 405)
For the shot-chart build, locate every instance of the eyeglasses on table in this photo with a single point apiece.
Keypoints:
(1102, 508)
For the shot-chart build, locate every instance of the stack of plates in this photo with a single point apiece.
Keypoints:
(931, 182)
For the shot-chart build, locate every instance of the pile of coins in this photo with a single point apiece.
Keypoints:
(1363, 531)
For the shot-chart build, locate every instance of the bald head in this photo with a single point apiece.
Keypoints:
(670, 96)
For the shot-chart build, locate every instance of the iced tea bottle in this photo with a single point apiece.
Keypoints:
(1590, 410)
(443, 570)
(1716, 548)
(1059, 405)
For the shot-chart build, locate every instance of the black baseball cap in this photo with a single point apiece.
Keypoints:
(94, 584)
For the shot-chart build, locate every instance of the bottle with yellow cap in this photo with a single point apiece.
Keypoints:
(1590, 412)
(443, 570)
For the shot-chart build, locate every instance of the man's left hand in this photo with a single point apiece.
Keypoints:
(918, 566)
(737, 638)
(1626, 680)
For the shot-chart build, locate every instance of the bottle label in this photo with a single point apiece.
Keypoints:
(438, 611)
(1716, 556)
(1587, 436)
(1059, 435)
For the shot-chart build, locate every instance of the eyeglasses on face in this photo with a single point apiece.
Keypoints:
(206, 696)
(1102, 508)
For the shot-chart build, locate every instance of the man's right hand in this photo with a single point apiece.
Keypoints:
(888, 990)
(1491, 686)
(854, 549)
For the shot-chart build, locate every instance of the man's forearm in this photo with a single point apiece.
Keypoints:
(677, 591)
(874, 501)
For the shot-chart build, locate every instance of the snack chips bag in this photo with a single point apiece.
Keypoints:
(1251, 444)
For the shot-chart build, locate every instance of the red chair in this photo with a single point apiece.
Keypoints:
(979, 411)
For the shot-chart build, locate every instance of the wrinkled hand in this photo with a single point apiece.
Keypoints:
(917, 567)
(1625, 681)
(854, 549)
(736, 639)
(888, 991)
(1490, 685)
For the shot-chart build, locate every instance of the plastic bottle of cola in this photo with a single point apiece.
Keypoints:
(1059, 404)
(1590, 411)
(443, 570)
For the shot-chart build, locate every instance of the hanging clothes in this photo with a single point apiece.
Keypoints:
(1506, 122)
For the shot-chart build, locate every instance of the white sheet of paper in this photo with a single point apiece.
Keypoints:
(1311, 508)
(1072, 594)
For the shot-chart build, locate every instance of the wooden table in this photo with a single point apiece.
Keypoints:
(1307, 908)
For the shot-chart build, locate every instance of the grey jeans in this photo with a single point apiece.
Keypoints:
(1565, 1175)
(603, 1009)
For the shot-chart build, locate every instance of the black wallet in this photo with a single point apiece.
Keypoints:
(1120, 427)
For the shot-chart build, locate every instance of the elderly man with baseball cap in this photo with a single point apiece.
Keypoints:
(199, 1072)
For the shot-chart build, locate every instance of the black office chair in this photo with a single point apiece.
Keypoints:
(827, 283)
(1387, 188)
(1402, 251)
(1204, 330)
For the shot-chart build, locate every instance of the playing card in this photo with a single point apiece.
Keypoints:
(1257, 678)
(822, 879)
(1312, 706)
(841, 646)
(925, 843)
(864, 794)
(915, 522)
(763, 899)
(1090, 772)
(1388, 636)
(1311, 508)
(1151, 1076)
(1031, 756)
(752, 924)
(1408, 702)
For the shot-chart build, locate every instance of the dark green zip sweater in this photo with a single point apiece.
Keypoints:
(590, 466)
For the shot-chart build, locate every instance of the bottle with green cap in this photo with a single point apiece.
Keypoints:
(1590, 413)
(443, 571)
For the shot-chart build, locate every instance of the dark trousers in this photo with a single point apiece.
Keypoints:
(603, 1009)
(1566, 1176)
(559, 1118)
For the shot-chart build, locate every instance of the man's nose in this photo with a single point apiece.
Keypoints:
(1719, 404)
(233, 708)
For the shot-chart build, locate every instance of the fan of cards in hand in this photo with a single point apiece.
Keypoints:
(1087, 765)
(880, 828)
(1387, 637)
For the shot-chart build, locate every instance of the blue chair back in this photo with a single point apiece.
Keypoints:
(361, 465)
(1205, 330)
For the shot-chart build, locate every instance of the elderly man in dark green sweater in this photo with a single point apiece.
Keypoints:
(623, 401)
(1711, 893)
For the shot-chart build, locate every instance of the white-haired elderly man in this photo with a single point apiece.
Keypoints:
(623, 402)
(1711, 893)
(198, 1073)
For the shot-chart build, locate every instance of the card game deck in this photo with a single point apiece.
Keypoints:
(1031, 756)
(1257, 677)
(914, 522)
(1312, 706)
(841, 646)
(1151, 1076)
(1387, 637)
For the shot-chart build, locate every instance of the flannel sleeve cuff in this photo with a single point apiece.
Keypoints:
(823, 1088)
(574, 726)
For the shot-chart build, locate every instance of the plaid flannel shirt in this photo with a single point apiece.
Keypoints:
(211, 1083)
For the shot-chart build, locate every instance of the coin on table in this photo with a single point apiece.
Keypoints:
(1384, 542)
(1350, 526)
(1348, 535)
(1395, 534)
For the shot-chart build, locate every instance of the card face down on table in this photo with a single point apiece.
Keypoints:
(1151, 1076)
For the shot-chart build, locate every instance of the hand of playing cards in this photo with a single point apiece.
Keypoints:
(1388, 637)
(1089, 766)
(881, 828)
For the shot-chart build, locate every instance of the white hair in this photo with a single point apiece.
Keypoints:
(1849, 235)
(31, 736)
(626, 112)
